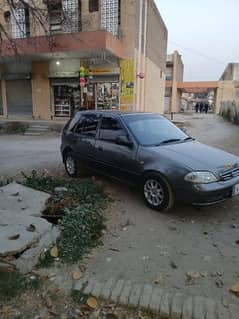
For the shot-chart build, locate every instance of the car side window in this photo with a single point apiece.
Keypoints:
(87, 125)
(110, 129)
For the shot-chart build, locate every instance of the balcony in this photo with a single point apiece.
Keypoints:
(79, 45)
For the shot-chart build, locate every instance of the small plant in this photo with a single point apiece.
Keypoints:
(81, 231)
(78, 192)
(45, 260)
(13, 283)
(80, 206)
(13, 128)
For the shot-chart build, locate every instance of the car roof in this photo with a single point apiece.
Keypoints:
(116, 112)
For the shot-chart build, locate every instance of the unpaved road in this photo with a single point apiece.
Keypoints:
(162, 248)
(25, 153)
(146, 246)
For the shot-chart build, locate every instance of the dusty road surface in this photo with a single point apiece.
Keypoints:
(24, 153)
(187, 250)
(192, 251)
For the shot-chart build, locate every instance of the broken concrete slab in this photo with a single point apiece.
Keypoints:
(16, 197)
(23, 233)
(29, 258)
(17, 226)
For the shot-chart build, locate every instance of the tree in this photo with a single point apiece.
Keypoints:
(25, 18)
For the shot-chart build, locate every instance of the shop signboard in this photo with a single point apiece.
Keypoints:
(101, 71)
(127, 78)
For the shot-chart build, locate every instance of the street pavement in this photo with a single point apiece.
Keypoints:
(194, 252)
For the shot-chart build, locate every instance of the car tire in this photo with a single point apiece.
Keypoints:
(157, 192)
(71, 164)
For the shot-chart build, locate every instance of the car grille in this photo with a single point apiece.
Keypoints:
(229, 174)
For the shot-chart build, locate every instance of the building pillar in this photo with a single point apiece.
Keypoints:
(4, 97)
(174, 107)
(41, 96)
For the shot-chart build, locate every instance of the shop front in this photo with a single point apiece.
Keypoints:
(99, 90)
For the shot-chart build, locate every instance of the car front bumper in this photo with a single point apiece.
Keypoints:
(206, 194)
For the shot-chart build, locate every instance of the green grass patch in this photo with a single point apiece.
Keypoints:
(13, 128)
(13, 284)
(81, 231)
(78, 192)
(80, 208)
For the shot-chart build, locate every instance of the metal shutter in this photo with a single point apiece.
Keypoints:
(19, 97)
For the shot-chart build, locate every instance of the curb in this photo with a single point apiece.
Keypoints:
(147, 297)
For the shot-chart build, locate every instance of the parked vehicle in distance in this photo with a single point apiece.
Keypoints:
(147, 149)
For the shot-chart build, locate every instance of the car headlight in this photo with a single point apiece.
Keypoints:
(201, 177)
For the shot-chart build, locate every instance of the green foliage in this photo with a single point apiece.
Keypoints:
(80, 206)
(78, 192)
(45, 260)
(13, 283)
(81, 230)
(13, 128)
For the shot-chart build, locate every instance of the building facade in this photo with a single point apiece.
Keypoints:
(95, 54)
(174, 74)
(228, 93)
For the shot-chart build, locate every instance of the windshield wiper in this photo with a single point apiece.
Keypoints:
(189, 139)
(170, 140)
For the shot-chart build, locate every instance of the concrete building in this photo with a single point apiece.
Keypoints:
(117, 48)
(184, 95)
(228, 93)
(174, 74)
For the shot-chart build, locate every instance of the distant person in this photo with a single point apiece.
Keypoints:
(196, 108)
(206, 108)
(201, 107)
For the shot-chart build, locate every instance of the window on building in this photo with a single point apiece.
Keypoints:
(110, 16)
(64, 16)
(20, 22)
(55, 15)
(71, 15)
(7, 16)
(93, 5)
(110, 129)
(88, 125)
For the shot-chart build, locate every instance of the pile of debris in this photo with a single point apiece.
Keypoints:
(24, 234)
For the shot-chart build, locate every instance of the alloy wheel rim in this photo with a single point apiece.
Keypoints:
(70, 165)
(153, 192)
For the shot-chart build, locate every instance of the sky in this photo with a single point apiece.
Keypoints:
(206, 34)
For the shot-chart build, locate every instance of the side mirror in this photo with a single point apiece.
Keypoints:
(123, 140)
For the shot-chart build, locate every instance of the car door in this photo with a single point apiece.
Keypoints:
(114, 159)
(84, 138)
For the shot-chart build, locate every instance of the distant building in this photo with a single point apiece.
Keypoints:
(119, 46)
(174, 74)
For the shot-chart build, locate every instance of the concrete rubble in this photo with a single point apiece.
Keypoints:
(23, 233)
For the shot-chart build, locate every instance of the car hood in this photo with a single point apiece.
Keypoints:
(198, 156)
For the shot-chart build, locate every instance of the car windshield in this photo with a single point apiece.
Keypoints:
(153, 130)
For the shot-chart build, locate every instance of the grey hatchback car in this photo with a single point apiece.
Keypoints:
(147, 150)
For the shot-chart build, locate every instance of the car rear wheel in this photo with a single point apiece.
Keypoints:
(157, 192)
(71, 164)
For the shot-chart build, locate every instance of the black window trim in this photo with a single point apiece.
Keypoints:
(123, 124)
(94, 7)
(80, 119)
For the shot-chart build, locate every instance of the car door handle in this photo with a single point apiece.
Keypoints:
(99, 148)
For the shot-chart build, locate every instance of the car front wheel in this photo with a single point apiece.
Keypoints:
(71, 165)
(157, 192)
